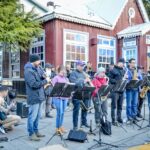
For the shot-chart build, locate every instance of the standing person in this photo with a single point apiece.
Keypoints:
(148, 92)
(35, 95)
(132, 94)
(53, 71)
(116, 74)
(79, 78)
(99, 80)
(88, 69)
(60, 102)
(68, 70)
(140, 99)
(109, 68)
(48, 71)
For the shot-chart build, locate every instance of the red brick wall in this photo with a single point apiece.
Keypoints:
(50, 42)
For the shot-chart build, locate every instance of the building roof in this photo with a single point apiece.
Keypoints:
(80, 17)
(134, 31)
(112, 9)
(105, 13)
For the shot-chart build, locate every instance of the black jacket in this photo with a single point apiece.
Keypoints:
(34, 85)
(116, 74)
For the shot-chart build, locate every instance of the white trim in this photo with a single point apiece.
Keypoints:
(143, 10)
(105, 47)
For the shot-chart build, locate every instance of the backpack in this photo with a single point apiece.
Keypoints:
(106, 126)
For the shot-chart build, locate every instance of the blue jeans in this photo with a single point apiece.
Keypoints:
(148, 97)
(33, 118)
(60, 105)
(131, 102)
(76, 104)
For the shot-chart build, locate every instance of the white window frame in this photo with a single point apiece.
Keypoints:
(1, 53)
(102, 46)
(11, 64)
(65, 42)
(36, 43)
(130, 46)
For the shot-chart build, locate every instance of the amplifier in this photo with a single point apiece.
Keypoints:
(22, 109)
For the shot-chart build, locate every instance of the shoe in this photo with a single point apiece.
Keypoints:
(2, 130)
(49, 116)
(33, 137)
(114, 123)
(39, 135)
(58, 131)
(136, 119)
(63, 130)
(75, 128)
(139, 116)
(129, 120)
(85, 125)
(120, 120)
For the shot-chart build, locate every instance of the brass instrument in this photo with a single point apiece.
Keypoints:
(144, 91)
(135, 75)
(44, 75)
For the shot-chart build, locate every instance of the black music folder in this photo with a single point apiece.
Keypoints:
(120, 86)
(104, 90)
(62, 90)
(134, 84)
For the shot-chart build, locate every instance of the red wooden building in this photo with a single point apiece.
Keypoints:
(114, 29)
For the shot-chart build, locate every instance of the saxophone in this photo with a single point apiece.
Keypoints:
(144, 91)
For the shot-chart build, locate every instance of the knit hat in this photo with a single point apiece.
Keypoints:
(122, 60)
(34, 58)
(101, 69)
(48, 65)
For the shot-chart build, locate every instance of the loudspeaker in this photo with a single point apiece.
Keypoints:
(22, 109)
(78, 136)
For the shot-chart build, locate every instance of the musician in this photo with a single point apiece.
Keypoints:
(140, 100)
(78, 77)
(35, 95)
(132, 94)
(60, 102)
(88, 69)
(148, 93)
(116, 74)
(48, 71)
(99, 80)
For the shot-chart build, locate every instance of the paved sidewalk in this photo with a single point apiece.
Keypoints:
(18, 139)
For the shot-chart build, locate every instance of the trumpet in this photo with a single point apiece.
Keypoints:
(89, 83)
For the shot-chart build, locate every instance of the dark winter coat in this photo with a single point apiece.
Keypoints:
(34, 85)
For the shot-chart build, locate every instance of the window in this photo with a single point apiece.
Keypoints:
(75, 47)
(1, 62)
(130, 49)
(15, 64)
(38, 47)
(106, 51)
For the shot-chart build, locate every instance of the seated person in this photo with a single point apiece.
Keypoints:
(7, 120)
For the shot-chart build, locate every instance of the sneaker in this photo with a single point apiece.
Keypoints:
(33, 137)
(120, 120)
(48, 115)
(114, 123)
(139, 116)
(63, 130)
(58, 131)
(85, 125)
(75, 128)
(39, 135)
(136, 119)
(2, 130)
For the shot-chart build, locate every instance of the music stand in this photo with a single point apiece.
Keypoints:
(61, 90)
(103, 91)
